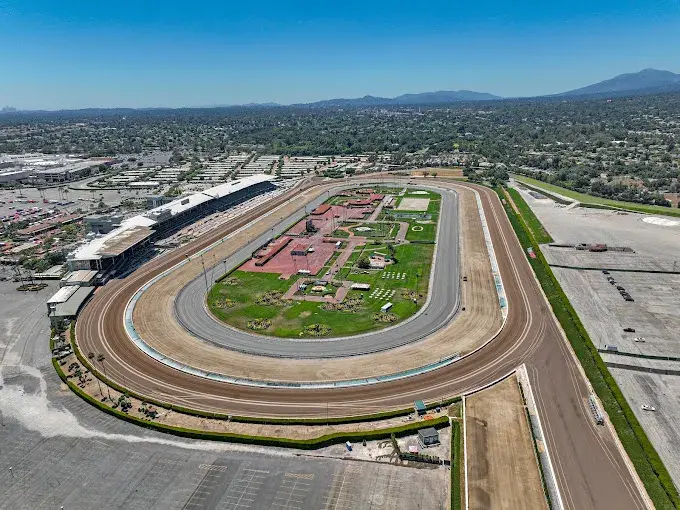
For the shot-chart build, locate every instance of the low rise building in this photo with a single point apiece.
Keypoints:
(428, 437)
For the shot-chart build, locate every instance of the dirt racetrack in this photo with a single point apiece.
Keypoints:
(502, 469)
(591, 471)
(155, 321)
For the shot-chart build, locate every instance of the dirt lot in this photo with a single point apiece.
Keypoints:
(441, 172)
(414, 204)
(502, 468)
(155, 322)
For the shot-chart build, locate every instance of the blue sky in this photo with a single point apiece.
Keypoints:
(74, 54)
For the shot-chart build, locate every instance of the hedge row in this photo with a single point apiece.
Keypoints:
(456, 461)
(650, 468)
(539, 232)
(303, 444)
(248, 419)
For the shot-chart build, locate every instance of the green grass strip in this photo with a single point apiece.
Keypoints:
(456, 466)
(537, 229)
(597, 201)
(648, 464)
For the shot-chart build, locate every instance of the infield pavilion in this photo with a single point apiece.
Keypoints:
(105, 253)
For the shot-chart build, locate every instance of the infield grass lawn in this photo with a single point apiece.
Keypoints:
(429, 223)
(589, 199)
(290, 320)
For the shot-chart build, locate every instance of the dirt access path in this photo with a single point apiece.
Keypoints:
(502, 467)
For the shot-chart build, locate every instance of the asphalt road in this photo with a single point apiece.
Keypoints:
(590, 469)
(192, 313)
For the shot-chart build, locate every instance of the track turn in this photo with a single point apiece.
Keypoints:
(590, 469)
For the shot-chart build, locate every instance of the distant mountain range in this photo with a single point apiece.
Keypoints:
(441, 96)
(647, 81)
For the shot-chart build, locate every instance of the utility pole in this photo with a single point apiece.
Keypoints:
(417, 286)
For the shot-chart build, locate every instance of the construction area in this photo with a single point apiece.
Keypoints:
(628, 303)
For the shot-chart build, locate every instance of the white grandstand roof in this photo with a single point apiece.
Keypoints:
(231, 187)
(179, 206)
(115, 242)
(137, 228)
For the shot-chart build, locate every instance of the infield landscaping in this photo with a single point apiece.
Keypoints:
(342, 274)
(244, 297)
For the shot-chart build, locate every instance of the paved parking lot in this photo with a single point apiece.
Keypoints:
(654, 314)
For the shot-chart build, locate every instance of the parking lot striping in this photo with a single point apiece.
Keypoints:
(252, 479)
(335, 501)
(210, 467)
(293, 494)
(304, 476)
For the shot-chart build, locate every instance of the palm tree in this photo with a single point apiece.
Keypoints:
(100, 359)
(90, 356)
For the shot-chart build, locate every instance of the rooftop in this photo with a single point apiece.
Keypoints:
(71, 307)
(62, 295)
(82, 275)
(428, 432)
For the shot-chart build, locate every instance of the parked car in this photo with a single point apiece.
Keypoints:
(639, 339)
(646, 407)
(629, 330)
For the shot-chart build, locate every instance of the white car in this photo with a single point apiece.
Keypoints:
(639, 339)
(645, 407)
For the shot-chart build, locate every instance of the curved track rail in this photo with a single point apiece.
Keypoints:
(590, 469)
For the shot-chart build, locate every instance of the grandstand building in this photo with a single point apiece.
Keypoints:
(112, 250)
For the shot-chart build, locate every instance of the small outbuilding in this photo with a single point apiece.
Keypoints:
(428, 437)
(299, 250)
(419, 407)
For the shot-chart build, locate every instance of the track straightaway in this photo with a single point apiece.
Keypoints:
(591, 468)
